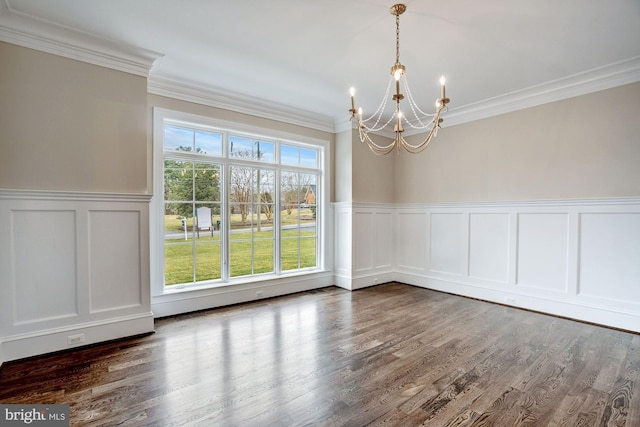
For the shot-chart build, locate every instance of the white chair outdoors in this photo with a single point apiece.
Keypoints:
(203, 219)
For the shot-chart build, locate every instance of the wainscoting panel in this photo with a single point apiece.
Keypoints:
(44, 263)
(114, 268)
(489, 237)
(610, 256)
(575, 258)
(383, 245)
(74, 270)
(412, 241)
(448, 243)
(342, 245)
(364, 241)
(542, 251)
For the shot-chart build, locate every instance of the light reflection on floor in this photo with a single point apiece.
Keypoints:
(235, 362)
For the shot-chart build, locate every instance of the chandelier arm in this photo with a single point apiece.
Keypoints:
(415, 149)
(375, 148)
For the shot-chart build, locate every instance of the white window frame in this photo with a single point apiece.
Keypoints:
(162, 116)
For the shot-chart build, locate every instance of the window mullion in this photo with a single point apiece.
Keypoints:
(194, 229)
(276, 222)
(225, 228)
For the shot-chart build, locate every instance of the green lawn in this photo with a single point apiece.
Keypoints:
(179, 255)
(174, 223)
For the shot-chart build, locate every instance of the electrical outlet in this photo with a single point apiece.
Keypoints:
(75, 339)
(510, 300)
(375, 281)
(258, 294)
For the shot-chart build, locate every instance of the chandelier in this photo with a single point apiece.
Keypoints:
(420, 120)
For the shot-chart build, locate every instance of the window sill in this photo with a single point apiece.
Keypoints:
(245, 289)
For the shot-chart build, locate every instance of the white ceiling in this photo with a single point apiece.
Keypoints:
(305, 54)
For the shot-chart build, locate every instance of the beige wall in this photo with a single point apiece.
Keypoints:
(583, 147)
(217, 113)
(68, 125)
(373, 176)
(344, 167)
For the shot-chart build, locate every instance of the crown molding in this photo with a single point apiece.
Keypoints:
(227, 100)
(594, 80)
(28, 31)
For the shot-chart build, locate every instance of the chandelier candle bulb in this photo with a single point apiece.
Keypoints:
(352, 92)
(442, 82)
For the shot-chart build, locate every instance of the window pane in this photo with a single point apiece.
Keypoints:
(240, 147)
(251, 149)
(240, 218)
(298, 220)
(308, 256)
(308, 189)
(178, 180)
(208, 257)
(290, 249)
(207, 218)
(178, 243)
(289, 155)
(179, 139)
(207, 182)
(308, 158)
(265, 151)
(289, 191)
(241, 184)
(240, 257)
(263, 256)
(263, 205)
(208, 143)
(260, 223)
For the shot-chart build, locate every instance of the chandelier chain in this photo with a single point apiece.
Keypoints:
(397, 38)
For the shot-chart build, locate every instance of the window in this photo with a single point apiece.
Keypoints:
(235, 205)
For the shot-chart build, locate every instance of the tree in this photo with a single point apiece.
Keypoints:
(251, 186)
(267, 204)
(241, 179)
(186, 183)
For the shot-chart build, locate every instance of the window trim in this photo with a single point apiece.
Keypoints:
(162, 116)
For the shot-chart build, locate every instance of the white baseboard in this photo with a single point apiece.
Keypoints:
(50, 340)
(186, 301)
(582, 312)
(364, 281)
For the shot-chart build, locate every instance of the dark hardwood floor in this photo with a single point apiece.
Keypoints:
(391, 355)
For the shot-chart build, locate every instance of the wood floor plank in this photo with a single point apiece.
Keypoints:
(390, 355)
